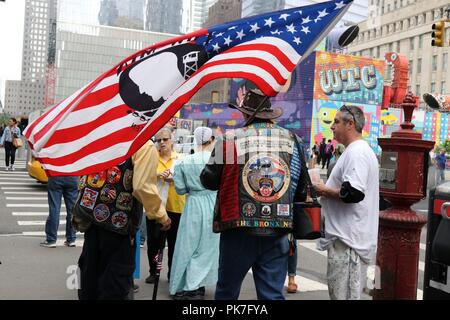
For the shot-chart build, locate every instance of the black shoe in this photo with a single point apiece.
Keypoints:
(179, 295)
(150, 279)
(201, 291)
(193, 295)
(135, 288)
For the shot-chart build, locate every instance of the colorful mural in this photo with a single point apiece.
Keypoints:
(348, 78)
(323, 116)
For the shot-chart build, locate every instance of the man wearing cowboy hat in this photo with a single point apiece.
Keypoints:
(256, 170)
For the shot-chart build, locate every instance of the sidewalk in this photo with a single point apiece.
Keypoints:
(28, 271)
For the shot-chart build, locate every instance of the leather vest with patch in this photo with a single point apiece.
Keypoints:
(259, 178)
(105, 199)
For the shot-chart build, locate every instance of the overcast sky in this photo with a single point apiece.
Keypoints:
(11, 36)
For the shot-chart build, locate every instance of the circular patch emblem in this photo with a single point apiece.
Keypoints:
(119, 219)
(108, 193)
(249, 209)
(128, 180)
(101, 212)
(124, 201)
(266, 211)
(96, 180)
(113, 175)
(82, 182)
(266, 177)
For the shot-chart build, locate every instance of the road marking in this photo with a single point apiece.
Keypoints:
(42, 193)
(37, 187)
(312, 246)
(305, 284)
(15, 178)
(35, 223)
(423, 246)
(29, 205)
(16, 173)
(42, 233)
(35, 213)
(26, 198)
(16, 183)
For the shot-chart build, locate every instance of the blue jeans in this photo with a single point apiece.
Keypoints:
(58, 187)
(266, 256)
(292, 262)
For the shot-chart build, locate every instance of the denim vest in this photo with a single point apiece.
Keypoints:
(259, 178)
(105, 198)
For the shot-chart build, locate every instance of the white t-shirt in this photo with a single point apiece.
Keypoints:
(355, 224)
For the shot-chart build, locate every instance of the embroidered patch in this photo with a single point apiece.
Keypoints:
(266, 177)
(101, 212)
(128, 179)
(88, 199)
(113, 175)
(82, 182)
(108, 193)
(283, 210)
(119, 219)
(96, 180)
(266, 211)
(249, 209)
(124, 201)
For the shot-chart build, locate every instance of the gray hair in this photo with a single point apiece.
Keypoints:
(168, 130)
(353, 113)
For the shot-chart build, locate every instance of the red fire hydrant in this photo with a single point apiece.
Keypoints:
(403, 181)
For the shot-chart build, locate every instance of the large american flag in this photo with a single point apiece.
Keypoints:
(109, 119)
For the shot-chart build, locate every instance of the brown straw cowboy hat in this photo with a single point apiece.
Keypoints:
(252, 99)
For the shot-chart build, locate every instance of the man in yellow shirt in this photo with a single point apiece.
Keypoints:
(174, 202)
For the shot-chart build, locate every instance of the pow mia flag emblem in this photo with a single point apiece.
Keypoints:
(145, 85)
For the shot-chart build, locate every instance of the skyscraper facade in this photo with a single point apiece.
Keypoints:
(164, 16)
(28, 94)
(195, 14)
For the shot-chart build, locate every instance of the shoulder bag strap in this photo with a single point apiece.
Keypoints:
(312, 190)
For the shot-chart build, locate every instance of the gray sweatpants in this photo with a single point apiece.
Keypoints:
(344, 272)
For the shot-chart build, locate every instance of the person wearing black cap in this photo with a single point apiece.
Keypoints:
(256, 170)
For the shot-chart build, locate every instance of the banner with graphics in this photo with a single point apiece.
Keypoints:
(348, 78)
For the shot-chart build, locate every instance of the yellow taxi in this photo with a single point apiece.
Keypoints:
(36, 171)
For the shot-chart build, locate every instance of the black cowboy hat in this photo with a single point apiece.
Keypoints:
(252, 99)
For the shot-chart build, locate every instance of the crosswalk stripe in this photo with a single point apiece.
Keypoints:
(16, 179)
(423, 246)
(312, 246)
(15, 173)
(30, 193)
(29, 205)
(26, 198)
(35, 223)
(35, 213)
(22, 188)
(306, 284)
(16, 183)
(42, 233)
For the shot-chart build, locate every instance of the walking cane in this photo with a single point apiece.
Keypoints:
(158, 260)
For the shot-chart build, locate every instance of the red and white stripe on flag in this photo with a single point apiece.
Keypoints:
(107, 121)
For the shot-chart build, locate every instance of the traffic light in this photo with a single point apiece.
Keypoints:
(438, 34)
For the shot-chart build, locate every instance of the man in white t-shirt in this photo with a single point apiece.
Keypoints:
(350, 206)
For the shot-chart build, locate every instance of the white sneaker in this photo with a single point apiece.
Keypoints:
(6, 168)
(12, 168)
